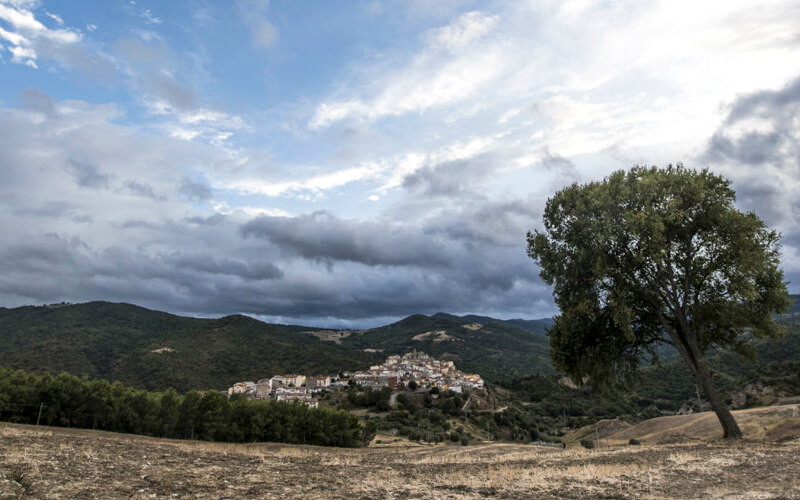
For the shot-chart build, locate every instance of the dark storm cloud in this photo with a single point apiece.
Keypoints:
(452, 177)
(323, 236)
(48, 209)
(141, 189)
(88, 175)
(195, 191)
(77, 173)
(470, 259)
(210, 264)
(501, 224)
(211, 220)
(566, 172)
(758, 146)
(761, 127)
(67, 267)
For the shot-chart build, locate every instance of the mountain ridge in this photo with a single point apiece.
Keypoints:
(154, 350)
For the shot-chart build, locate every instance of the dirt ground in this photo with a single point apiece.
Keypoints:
(42, 462)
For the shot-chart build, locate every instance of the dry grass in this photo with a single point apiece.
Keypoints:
(61, 463)
(771, 423)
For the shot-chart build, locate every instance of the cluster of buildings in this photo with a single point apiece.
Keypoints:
(286, 388)
(396, 373)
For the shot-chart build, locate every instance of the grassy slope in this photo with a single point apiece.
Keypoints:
(115, 341)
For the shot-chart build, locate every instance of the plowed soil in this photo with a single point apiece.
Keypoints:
(41, 462)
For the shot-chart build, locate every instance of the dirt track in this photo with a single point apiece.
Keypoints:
(60, 463)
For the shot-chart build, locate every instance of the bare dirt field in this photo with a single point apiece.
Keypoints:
(42, 462)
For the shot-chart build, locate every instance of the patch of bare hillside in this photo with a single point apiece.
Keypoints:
(334, 336)
(602, 429)
(436, 336)
(62, 463)
(770, 423)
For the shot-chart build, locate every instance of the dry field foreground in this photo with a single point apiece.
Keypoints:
(42, 462)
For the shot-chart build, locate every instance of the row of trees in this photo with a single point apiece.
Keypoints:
(68, 401)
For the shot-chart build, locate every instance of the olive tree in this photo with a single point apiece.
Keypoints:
(656, 256)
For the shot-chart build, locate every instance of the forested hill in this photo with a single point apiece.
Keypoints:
(155, 350)
(495, 349)
(794, 309)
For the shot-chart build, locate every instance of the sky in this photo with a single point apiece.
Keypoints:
(346, 163)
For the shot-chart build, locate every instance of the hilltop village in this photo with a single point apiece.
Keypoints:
(409, 371)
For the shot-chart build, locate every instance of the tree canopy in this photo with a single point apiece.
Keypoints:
(656, 256)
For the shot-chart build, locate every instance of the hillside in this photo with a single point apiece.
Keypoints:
(155, 350)
(48, 462)
(767, 423)
(495, 349)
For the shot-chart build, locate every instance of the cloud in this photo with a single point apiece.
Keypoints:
(430, 79)
(171, 90)
(756, 145)
(48, 209)
(88, 175)
(453, 177)
(195, 191)
(254, 14)
(31, 41)
(27, 33)
(54, 17)
(80, 224)
(149, 18)
(466, 29)
(312, 186)
(405, 183)
(323, 236)
(143, 189)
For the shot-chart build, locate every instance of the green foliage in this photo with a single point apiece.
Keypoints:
(587, 443)
(369, 398)
(69, 401)
(542, 405)
(422, 419)
(656, 256)
(116, 342)
(652, 256)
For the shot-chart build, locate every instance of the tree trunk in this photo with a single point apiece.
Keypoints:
(687, 345)
(730, 429)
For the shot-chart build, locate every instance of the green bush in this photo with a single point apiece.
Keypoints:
(587, 443)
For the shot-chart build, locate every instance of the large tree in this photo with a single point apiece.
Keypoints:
(656, 256)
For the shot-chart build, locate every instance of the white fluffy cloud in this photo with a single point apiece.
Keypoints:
(24, 32)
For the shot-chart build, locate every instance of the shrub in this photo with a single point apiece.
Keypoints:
(634, 442)
(587, 443)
